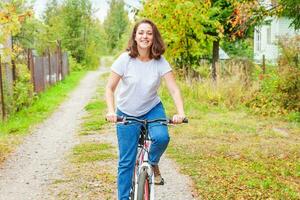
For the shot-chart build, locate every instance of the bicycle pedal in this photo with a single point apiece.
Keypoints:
(162, 182)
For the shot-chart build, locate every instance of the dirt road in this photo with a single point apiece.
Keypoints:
(37, 162)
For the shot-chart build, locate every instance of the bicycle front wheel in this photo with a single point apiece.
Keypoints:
(143, 192)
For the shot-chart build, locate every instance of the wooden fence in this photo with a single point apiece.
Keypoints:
(45, 70)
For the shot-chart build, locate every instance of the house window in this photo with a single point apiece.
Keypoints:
(269, 35)
(258, 40)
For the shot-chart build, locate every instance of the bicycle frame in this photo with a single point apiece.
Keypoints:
(142, 161)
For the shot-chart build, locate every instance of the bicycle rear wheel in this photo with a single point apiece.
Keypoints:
(131, 197)
(143, 192)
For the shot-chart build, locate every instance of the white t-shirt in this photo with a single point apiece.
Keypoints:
(140, 81)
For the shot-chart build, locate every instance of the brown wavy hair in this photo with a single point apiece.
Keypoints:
(158, 45)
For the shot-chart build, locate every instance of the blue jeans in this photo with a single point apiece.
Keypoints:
(128, 136)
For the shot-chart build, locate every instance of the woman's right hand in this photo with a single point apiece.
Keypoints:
(111, 117)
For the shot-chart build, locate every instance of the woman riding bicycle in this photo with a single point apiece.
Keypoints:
(140, 70)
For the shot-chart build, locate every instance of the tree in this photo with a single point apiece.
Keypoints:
(12, 15)
(77, 19)
(115, 23)
(193, 29)
(52, 9)
(181, 25)
(291, 9)
(234, 19)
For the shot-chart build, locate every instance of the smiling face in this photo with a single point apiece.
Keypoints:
(144, 36)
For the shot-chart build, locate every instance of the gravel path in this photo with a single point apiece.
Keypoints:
(38, 160)
(28, 171)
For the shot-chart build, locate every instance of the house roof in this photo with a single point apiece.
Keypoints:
(223, 55)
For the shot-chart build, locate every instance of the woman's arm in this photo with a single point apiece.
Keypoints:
(175, 93)
(110, 88)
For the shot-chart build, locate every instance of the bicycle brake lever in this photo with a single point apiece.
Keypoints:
(164, 123)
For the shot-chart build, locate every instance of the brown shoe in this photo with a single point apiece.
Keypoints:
(158, 180)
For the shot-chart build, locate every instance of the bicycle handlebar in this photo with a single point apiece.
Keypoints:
(166, 120)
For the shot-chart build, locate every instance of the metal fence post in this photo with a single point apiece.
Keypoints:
(60, 60)
(13, 63)
(2, 93)
(32, 70)
(43, 72)
(50, 73)
(57, 64)
(264, 64)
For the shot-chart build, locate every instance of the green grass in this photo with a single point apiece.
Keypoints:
(96, 109)
(45, 103)
(231, 154)
(89, 152)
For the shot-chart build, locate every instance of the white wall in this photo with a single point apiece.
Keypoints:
(268, 35)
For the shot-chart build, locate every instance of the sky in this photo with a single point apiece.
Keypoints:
(101, 7)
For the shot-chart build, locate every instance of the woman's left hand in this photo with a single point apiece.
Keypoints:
(177, 119)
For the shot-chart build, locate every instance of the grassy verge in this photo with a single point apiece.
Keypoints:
(94, 121)
(90, 172)
(12, 130)
(231, 154)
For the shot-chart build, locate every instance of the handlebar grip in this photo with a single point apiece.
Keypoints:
(185, 120)
(120, 119)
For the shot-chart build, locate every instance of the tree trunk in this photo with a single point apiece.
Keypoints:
(14, 71)
(215, 59)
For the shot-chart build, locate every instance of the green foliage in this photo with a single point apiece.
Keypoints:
(12, 16)
(190, 27)
(77, 20)
(242, 48)
(290, 8)
(74, 66)
(115, 24)
(123, 42)
(22, 94)
(51, 11)
(72, 23)
(91, 152)
(17, 94)
(279, 91)
(28, 35)
(181, 24)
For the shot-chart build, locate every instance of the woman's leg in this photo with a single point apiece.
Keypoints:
(127, 140)
(158, 133)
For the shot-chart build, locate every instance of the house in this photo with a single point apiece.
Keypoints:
(223, 55)
(266, 37)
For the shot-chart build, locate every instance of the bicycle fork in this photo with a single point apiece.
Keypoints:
(144, 164)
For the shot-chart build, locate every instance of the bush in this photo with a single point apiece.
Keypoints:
(289, 74)
(279, 91)
(23, 89)
(73, 64)
(92, 59)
